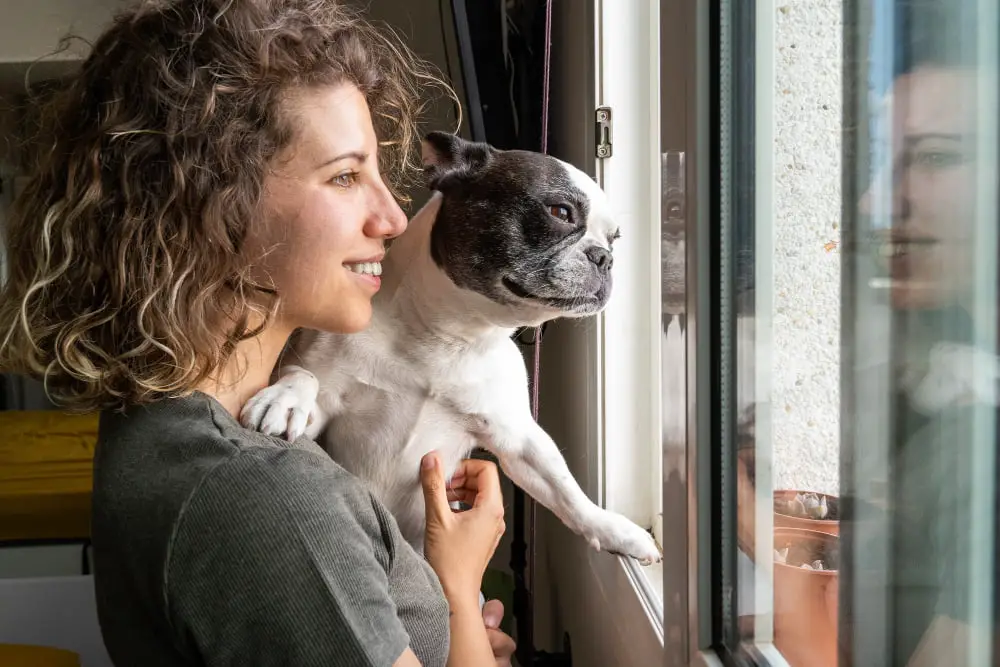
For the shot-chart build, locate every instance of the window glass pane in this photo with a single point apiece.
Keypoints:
(920, 332)
(858, 364)
(784, 272)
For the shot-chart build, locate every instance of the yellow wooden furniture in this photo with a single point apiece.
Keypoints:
(46, 463)
(19, 655)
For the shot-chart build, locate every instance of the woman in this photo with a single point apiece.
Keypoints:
(929, 257)
(211, 180)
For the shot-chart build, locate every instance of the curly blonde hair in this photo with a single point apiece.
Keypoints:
(127, 277)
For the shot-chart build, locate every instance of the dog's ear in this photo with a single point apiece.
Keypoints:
(448, 159)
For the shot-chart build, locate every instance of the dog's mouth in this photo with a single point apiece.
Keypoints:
(555, 302)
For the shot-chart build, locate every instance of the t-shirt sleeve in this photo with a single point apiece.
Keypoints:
(279, 559)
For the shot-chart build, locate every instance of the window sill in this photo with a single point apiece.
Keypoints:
(647, 584)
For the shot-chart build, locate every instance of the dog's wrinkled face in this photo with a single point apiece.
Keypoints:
(523, 229)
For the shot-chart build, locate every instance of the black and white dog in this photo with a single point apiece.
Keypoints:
(508, 239)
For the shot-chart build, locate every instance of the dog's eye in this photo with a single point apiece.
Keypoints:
(560, 212)
(614, 237)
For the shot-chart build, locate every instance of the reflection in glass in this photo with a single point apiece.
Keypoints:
(866, 520)
(784, 329)
(922, 278)
(673, 378)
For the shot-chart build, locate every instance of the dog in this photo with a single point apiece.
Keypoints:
(508, 239)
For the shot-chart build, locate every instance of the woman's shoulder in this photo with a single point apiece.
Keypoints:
(230, 531)
(185, 421)
(187, 461)
(189, 441)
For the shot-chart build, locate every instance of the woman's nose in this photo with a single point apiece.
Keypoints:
(894, 194)
(865, 203)
(387, 219)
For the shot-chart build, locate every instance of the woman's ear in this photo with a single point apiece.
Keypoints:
(448, 159)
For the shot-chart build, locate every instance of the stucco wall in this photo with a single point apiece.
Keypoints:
(807, 210)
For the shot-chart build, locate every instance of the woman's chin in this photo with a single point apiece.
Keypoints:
(916, 296)
(350, 318)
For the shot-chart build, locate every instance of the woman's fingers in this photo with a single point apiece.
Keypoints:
(469, 473)
(503, 646)
(475, 482)
(432, 481)
(503, 528)
(461, 495)
(488, 488)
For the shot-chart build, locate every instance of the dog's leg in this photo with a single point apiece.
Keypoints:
(288, 407)
(532, 461)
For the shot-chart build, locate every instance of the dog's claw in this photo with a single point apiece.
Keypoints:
(282, 409)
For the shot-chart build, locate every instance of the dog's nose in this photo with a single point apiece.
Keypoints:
(601, 257)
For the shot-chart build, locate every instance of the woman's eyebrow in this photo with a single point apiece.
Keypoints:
(360, 156)
(914, 138)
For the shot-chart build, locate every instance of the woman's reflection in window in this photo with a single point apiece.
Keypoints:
(928, 255)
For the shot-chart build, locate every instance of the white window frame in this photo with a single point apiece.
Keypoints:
(630, 341)
(622, 349)
(629, 338)
(630, 325)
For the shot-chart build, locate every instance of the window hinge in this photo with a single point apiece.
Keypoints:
(603, 136)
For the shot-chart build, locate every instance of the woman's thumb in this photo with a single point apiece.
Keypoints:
(432, 481)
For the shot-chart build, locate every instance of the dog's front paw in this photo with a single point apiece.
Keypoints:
(284, 408)
(615, 534)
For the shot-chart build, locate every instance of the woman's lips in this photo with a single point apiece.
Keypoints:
(906, 262)
(901, 247)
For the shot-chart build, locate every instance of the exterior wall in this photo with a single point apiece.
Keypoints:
(805, 370)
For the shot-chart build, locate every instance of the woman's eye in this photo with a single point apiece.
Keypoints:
(345, 180)
(560, 212)
(938, 159)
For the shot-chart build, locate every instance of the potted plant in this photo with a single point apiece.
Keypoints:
(806, 581)
(809, 510)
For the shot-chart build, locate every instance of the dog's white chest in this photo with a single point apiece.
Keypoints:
(389, 417)
(380, 431)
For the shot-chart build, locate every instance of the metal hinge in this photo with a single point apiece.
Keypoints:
(603, 136)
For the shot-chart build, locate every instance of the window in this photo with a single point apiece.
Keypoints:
(821, 332)
(835, 166)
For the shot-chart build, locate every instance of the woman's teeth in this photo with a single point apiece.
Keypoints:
(892, 249)
(366, 268)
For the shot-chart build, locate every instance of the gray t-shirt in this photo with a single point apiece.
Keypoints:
(216, 545)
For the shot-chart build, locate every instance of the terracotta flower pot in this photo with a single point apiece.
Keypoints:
(805, 600)
(784, 519)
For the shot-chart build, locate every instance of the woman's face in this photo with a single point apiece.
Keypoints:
(928, 249)
(327, 214)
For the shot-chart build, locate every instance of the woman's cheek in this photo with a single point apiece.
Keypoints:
(951, 197)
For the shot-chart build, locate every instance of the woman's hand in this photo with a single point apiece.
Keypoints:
(459, 545)
(502, 644)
